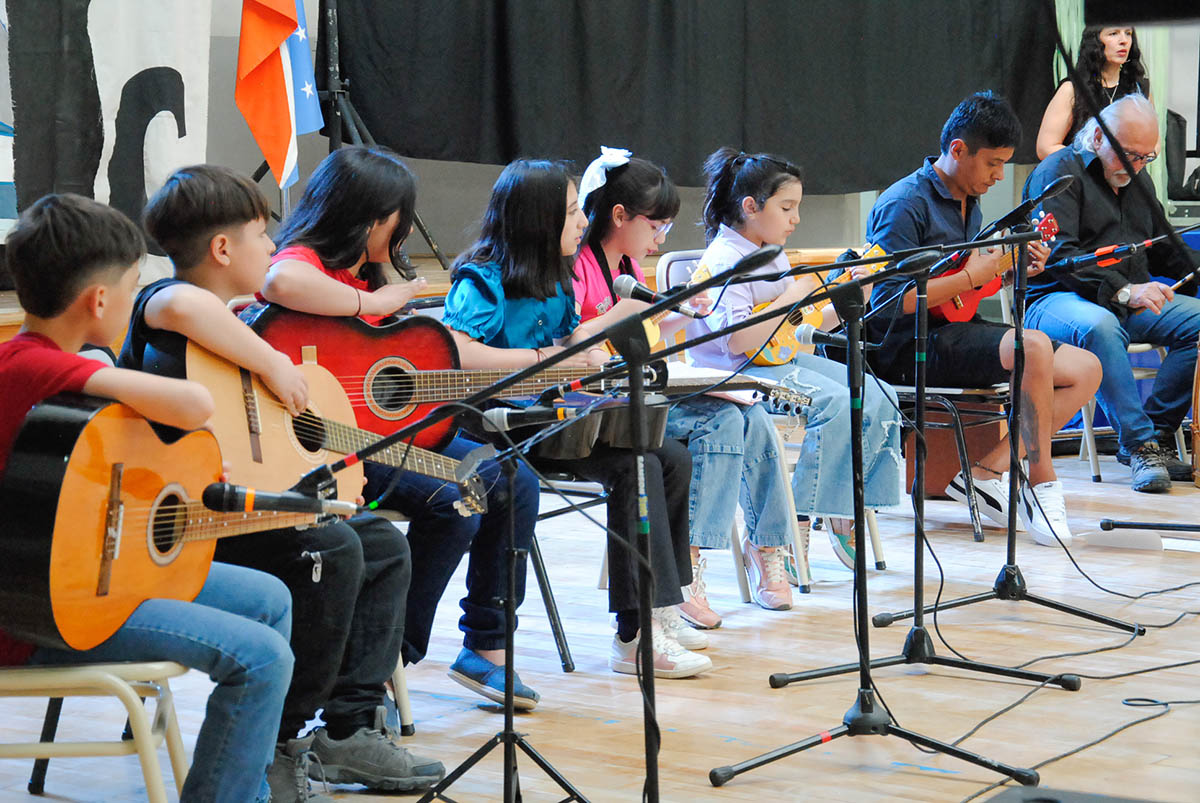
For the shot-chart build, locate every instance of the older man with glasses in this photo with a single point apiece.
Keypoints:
(1105, 306)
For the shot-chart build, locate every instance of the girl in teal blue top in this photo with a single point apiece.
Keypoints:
(510, 306)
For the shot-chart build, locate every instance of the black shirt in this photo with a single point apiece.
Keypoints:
(1090, 215)
(155, 351)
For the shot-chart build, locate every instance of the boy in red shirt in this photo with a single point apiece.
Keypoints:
(74, 263)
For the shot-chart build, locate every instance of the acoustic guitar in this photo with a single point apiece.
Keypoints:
(783, 346)
(102, 514)
(964, 306)
(394, 374)
(268, 447)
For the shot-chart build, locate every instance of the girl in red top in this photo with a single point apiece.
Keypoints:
(355, 213)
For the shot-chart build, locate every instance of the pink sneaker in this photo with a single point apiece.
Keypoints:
(694, 608)
(670, 659)
(768, 576)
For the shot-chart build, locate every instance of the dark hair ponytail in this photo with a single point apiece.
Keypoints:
(640, 186)
(731, 175)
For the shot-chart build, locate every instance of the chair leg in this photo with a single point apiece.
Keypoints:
(602, 580)
(556, 626)
(175, 750)
(800, 555)
(739, 564)
(37, 779)
(876, 546)
(1087, 443)
(1181, 445)
(143, 738)
(403, 704)
(964, 462)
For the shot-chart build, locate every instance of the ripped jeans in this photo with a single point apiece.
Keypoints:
(822, 483)
(735, 458)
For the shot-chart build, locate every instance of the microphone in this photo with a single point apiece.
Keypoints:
(1108, 255)
(809, 335)
(756, 259)
(626, 286)
(502, 419)
(229, 498)
(1019, 214)
(917, 263)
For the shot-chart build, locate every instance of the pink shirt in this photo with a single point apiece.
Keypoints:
(592, 295)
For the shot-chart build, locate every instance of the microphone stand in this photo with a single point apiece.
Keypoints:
(1010, 583)
(866, 716)
(321, 478)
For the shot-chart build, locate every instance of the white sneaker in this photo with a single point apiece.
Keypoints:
(1044, 528)
(672, 623)
(670, 659)
(991, 496)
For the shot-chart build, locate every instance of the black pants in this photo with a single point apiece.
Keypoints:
(349, 582)
(668, 476)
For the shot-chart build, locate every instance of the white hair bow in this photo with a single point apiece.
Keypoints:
(597, 172)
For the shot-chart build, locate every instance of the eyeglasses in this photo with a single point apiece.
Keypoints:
(1144, 158)
(659, 228)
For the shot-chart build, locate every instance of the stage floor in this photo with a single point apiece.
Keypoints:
(589, 723)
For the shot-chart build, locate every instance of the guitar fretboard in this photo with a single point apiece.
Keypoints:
(447, 385)
(202, 524)
(345, 439)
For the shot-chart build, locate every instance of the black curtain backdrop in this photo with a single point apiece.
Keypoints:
(854, 90)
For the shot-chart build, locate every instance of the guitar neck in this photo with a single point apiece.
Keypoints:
(345, 439)
(455, 384)
(202, 524)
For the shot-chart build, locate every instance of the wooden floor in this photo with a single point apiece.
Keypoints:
(589, 722)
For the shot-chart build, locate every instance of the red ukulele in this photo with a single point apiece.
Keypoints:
(964, 306)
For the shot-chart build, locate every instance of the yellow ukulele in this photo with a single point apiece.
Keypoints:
(783, 346)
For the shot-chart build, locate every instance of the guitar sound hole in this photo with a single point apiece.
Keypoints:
(392, 388)
(309, 430)
(167, 528)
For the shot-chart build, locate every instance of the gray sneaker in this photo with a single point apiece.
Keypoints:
(370, 758)
(1150, 474)
(288, 775)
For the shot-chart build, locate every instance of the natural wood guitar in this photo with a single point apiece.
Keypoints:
(267, 447)
(101, 515)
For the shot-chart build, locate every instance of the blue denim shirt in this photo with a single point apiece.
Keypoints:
(917, 210)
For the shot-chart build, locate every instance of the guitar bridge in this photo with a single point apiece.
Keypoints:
(114, 520)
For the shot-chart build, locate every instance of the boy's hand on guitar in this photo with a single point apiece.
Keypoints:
(288, 384)
(986, 264)
(1039, 252)
(392, 297)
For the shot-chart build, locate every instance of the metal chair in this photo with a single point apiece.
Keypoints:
(128, 682)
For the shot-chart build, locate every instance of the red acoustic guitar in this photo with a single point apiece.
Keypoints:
(964, 306)
(394, 374)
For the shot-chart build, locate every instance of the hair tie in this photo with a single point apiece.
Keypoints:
(597, 172)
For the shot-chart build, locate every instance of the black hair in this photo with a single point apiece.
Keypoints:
(352, 188)
(522, 229)
(982, 120)
(1091, 61)
(731, 175)
(64, 243)
(195, 204)
(642, 187)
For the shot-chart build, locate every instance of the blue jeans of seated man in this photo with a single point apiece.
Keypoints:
(732, 446)
(439, 536)
(236, 632)
(1069, 318)
(822, 482)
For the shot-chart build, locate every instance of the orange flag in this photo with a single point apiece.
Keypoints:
(261, 92)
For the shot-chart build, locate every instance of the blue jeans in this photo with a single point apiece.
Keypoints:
(1069, 318)
(236, 632)
(439, 537)
(822, 483)
(732, 446)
